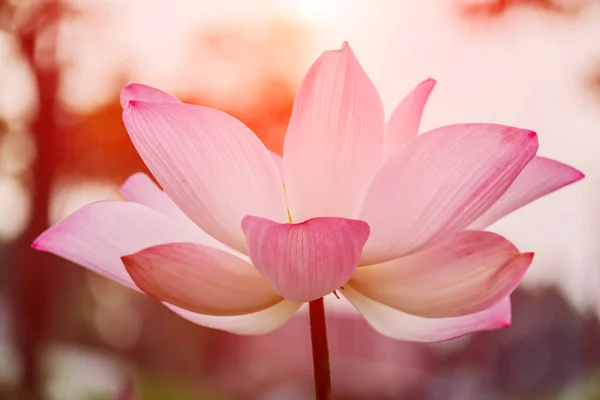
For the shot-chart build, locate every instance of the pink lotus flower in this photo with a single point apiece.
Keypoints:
(391, 220)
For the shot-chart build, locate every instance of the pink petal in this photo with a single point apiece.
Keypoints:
(136, 91)
(539, 178)
(278, 163)
(200, 279)
(398, 325)
(308, 260)
(334, 142)
(467, 273)
(97, 235)
(212, 166)
(404, 123)
(141, 189)
(439, 183)
(257, 323)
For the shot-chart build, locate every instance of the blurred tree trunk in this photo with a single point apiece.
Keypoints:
(34, 282)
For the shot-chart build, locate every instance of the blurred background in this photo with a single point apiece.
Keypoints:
(68, 334)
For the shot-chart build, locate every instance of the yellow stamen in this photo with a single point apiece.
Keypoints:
(286, 205)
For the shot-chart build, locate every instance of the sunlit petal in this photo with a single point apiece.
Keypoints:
(404, 122)
(539, 178)
(97, 235)
(439, 183)
(402, 326)
(200, 279)
(334, 142)
(308, 260)
(212, 166)
(467, 273)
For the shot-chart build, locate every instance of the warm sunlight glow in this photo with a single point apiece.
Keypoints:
(310, 10)
(14, 207)
(69, 196)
